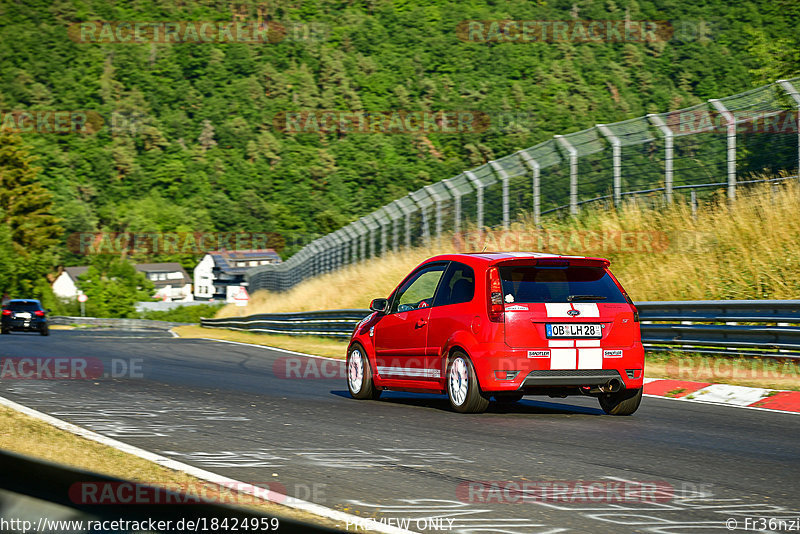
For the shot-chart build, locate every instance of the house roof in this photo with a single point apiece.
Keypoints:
(223, 259)
(166, 267)
(75, 272)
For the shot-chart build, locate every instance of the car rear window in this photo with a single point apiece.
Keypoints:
(558, 284)
(22, 306)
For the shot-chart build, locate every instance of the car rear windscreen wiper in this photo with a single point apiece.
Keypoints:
(585, 297)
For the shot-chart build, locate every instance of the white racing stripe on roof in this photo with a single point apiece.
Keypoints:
(521, 254)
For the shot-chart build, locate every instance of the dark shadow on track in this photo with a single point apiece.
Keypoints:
(440, 402)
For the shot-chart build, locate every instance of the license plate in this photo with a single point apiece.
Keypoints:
(591, 330)
(24, 315)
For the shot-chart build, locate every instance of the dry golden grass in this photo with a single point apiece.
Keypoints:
(34, 438)
(747, 250)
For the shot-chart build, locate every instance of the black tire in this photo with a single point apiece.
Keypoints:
(462, 385)
(508, 398)
(5, 331)
(366, 389)
(623, 402)
(45, 331)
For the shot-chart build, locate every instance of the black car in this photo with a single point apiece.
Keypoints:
(24, 315)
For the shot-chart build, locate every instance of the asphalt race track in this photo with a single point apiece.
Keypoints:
(221, 407)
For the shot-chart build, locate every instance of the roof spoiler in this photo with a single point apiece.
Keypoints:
(557, 261)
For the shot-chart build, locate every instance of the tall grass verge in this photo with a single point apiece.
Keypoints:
(746, 249)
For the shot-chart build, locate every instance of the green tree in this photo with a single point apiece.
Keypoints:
(25, 203)
(113, 286)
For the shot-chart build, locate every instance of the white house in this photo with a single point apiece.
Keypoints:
(220, 271)
(65, 286)
(171, 281)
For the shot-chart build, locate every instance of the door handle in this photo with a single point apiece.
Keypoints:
(421, 323)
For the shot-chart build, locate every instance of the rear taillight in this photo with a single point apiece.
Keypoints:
(495, 301)
(39, 313)
(6, 312)
(635, 311)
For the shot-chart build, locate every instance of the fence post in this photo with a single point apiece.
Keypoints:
(659, 123)
(792, 92)
(498, 170)
(573, 173)
(335, 251)
(383, 235)
(426, 231)
(407, 214)
(348, 246)
(363, 239)
(456, 204)
(533, 165)
(369, 223)
(353, 244)
(616, 155)
(479, 192)
(420, 198)
(438, 203)
(719, 106)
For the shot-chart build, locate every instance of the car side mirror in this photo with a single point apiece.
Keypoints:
(379, 305)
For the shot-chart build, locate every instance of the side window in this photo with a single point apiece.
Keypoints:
(419, 290)
(458, 285)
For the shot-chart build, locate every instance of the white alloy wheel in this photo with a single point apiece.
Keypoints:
(458, 381)
(355, 371)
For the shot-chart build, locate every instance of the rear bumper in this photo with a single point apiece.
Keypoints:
(21, 324)
(576, 378)
(536, 373)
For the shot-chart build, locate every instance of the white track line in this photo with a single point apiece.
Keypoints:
(699, 401)
(267, 347)
(285, 500)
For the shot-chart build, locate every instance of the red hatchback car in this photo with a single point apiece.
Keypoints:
(502, 325)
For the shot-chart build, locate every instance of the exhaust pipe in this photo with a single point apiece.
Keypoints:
(612, 386)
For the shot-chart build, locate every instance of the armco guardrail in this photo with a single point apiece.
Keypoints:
(41, 494)
(713, 336)
(330, 323)
(123, 324)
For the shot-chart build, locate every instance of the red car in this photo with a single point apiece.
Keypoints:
(502, 325)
